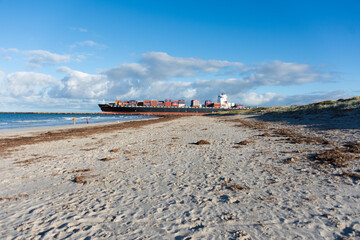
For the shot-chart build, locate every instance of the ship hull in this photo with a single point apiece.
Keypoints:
(159, 110)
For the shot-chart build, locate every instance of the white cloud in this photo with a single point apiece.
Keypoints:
(79, 85)
(273, 99)
(88, 43)
(23, 84)
(30, 91)
(283, 73)
(2, 74)
(158, 67)
(80, 29)
(159, 75)
(162, 66)
(255, 99)
(7, 51)
(8, 58)
(38, 58)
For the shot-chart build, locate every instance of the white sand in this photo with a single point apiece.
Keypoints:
(158, 185)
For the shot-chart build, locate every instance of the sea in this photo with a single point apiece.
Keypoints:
(33, 120)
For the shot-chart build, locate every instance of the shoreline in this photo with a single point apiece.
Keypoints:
(28, 137)
(33, 130)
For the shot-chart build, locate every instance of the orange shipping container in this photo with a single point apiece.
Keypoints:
(153, 102)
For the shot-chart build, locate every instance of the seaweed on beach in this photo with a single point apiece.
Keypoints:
(285, 132)
(251, 124)
(245, 142)
(315, 140)
(202, 142)
(114, 150)
(297, 138)
(353, 147)
(265, 134)
(81, 170)
(106, 159)
(11, 142)
(29, 161)
(351, 175)
(13, 198)
(336, 157)
(80, 179)
(234, 187)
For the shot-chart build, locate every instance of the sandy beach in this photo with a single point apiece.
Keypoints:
(194, 177)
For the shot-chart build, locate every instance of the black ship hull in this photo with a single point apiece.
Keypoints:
(106, 108)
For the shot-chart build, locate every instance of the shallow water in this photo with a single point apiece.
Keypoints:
(28, 120)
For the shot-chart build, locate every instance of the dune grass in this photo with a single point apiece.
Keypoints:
(341, 105)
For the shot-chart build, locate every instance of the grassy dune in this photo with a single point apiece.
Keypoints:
(340, 106)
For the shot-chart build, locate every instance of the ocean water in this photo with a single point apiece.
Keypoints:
(29, 120)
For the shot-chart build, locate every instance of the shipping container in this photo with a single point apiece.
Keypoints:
(153, 102)
(216, 105)
(195, 103)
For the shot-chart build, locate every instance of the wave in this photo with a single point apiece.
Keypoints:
(32, 121)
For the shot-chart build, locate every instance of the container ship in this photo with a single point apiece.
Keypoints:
(168, 106)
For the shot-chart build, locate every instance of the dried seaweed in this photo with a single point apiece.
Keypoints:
(336, 157)
(202, 142)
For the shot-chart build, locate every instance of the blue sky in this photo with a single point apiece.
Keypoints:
(71, 55)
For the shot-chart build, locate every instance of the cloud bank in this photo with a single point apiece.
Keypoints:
(158, 75)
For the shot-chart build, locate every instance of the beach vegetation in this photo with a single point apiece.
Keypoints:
(339, 105)
(202, 142)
